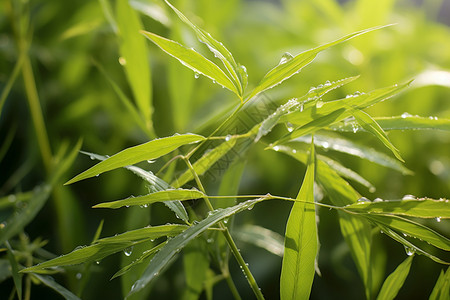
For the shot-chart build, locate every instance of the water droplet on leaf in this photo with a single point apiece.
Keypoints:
(285, 58)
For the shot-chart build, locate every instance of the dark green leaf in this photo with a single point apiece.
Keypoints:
(51, 283)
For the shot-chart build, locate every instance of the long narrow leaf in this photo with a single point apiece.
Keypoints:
(51, 283)
(289, 67)
(17, 278)
(175, 245)
(261, 237)
(147, 151)
(300, 245)
(441, 290)
(395, 280)
(193, 60)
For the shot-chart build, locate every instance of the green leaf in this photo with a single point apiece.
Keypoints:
(205, 162)
(147, 151)
(51, 283)
(410, 228)
(196, 265)
(193, 60)
(395, 280)
(346, 146)
(300, 244)
(175, 244)
(14, 270)
(107, 246)
(261, 237)
(17, 222)
(373, 127)
(403, 122)
(162, 196)
(219, 50)
(420, 208)
(289, 65)
(133, 50)
(441, 290)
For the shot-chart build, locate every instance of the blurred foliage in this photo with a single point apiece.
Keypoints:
(74, 54)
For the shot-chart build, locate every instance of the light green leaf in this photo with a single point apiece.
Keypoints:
(147, 151)
(395, 280)
(261, 237)
(162, 196)
(205, 162)
(373, 127)
(403, 122)
(14, 270)
(441, 290)
(193, 60)
(300, 244)
(107, 246)
(290, 65)
(411, 228)
(51, 283)
(219, 50)
(134, 55)
(196, 266)
(347, 146)
(16, 223)
(420, 208)
(175, 244)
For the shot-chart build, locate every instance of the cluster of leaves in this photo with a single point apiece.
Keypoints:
(308, 120)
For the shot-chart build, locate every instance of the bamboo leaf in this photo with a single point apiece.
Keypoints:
(420, 208)
(107, 246)
(261, 237)
(175, 244)
(205, 162)
(219, 50)
(441, 290)
(395, 280)
(403, 122)
(134, 54)
(17, 278)
(300, 244)
(193, 60)
(162, 196)
(373, 127)
(196, 266)
(51, 283)
(290, 65)
(147, 151)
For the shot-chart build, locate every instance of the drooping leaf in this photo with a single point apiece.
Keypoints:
(290, 65)
(205, 162)
(300, 244)
(107, 246)
(395, 280)
(346, 146)
(403, 122)
(261, 237)
(411, 228)
(441, 290)
(51, 283)
(162, 196)
(193, 60)
(373, 127)
(134, 57)
(175, 245)
(147, 151)
(219, 50)
(420, 208)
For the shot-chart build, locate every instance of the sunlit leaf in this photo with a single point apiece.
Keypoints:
(205, 162)
(261, 237)
(395, 280)
(147, 151)
(193, 60)
(300, 244)
(290, 65)
(107, 246)
(196, 266)
(219, 50)
(441, 290)
(175, 245)
(162, 196)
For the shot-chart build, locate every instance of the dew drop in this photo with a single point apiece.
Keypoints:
(228, 138)
(409, 251)
(405, 115)
(122, 61)
(78, 276)
(378, 200)
(363, 200)
(285, 58)
(196, 75)
(409, 197)
(92, 157)
(97, 262)
(2, 225)
(294, 151)
(438, 219)
(150, 161)
(319, 104)
(289, 127)
(326, 145)
(276, 148)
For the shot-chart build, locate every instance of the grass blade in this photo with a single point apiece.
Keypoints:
(205, 162)
(441, 290)
(147, 151)
(292, 65)
(193, 60)
(162, 196)
(14, 270)
(51, 283)
(300, 245)
(395, 280)
(174, 245)
(219, 50)
(133, 51)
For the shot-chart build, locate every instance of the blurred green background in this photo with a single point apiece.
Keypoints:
(74, 53)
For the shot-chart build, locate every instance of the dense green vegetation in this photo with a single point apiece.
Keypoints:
(278, 179)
